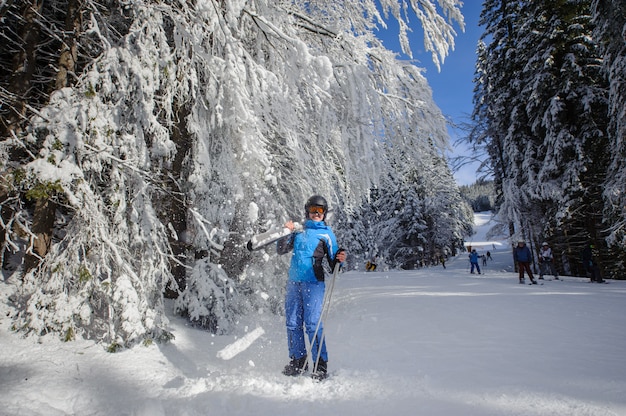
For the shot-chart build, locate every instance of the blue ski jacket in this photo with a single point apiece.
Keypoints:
(473, 257)
(309, 246)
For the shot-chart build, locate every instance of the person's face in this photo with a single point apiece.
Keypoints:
(316, 213)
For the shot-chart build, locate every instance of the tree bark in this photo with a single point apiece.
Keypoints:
(69, 47)
(43, 224)
(24, 65)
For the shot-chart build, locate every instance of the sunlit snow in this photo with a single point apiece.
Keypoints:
(432, 341)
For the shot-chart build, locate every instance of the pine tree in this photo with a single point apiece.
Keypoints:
(495, 95)
(551, 162)
(610, 25)
(566, 104)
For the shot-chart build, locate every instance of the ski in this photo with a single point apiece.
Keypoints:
(270, 236)
(316, 378)
(523, 282)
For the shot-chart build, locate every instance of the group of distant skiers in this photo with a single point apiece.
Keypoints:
(473, 257)
(523, 258)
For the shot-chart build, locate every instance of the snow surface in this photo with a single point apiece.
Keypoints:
(421, 342)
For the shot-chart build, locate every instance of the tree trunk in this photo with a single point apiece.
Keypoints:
(174, 209)
(6, 214)
(43, 224)
(69, 48)
(24, 65)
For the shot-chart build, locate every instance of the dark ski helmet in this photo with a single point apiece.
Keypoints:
(316, 201)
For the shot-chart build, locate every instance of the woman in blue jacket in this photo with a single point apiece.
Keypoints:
(305, 287)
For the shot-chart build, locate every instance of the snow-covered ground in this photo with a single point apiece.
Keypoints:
(422, 342)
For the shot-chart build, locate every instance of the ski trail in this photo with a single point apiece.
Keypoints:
(240, 345)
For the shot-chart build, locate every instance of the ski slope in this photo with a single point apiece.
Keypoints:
(430, 342)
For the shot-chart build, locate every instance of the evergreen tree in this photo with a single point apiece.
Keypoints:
(495, 93)
(480, 195)
(419, 213)
(566, 107)
(551, 162)
(610, 29)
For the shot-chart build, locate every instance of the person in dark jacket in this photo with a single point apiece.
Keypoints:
(305, 287)
(590, 264)
(523, 257)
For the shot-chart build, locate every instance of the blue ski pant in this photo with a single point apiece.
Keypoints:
(303, 309)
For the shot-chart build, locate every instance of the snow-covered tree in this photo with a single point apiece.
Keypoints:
(540, 107)
(495, 93)
(417, 214)
(188, 127)
(566, 107)
(610, 32)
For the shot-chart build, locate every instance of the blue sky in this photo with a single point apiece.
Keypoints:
(452, 86)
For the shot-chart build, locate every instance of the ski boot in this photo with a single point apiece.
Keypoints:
(296, 367)
(321, 372)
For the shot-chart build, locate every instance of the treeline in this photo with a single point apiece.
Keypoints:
(480, 195)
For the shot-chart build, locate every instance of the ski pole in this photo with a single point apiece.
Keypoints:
(323, 315)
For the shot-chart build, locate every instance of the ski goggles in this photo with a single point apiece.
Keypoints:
(316, 210)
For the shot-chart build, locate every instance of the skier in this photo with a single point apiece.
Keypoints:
(589, 263)
(522, 256)
(371, 265)
(305, 287)
(546, 261)
(474, 261)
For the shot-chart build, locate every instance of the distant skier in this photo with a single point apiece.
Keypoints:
(474, 261)
(371, 265)
(589, 263)
(523, 257)
(546, 261)
(304, 296)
